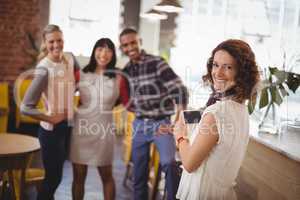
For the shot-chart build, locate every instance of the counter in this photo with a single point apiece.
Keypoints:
(287, 142)
(271, 168)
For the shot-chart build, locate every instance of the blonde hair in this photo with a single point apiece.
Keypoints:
(50, 28)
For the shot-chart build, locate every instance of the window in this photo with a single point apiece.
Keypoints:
(84, 22)
(271, 27)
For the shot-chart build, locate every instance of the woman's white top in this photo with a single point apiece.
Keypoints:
(215, 178)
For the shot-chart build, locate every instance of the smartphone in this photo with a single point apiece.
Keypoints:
(192, 116)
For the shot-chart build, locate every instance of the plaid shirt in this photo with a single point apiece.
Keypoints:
(153, 87)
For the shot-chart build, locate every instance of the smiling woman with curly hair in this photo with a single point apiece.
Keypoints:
(247, 74)
(213, 154)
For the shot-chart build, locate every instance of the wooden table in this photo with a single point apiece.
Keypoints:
(15, 151)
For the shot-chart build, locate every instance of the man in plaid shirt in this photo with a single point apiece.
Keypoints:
(155, 92)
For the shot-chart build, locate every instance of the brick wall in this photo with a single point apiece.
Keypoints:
(17, 18)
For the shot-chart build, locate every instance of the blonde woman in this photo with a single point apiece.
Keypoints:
(54, 81)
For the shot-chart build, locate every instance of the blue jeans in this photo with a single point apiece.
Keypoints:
(54, 149)
(143, 135)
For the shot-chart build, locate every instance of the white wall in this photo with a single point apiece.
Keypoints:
(84, 22)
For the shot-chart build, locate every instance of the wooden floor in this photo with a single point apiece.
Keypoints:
(93, 189)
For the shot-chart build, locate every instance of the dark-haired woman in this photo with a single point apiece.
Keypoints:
(92, 139)
(213, 155)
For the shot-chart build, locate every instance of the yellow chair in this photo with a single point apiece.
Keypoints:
(154, 165)
(118, 117)
(76, 99)
(4, 107)
(27, 177)
(21, 88)
(127, 145)
(2, 185)
(127, 142)
(154, 172)
(32, 177)
(21, 178)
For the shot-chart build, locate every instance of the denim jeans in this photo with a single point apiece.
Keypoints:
(54, 149)
(143, 135)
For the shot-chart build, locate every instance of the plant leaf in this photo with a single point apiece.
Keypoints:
(283, 91)
(281, 76)
(250, 108)
(264, 98)
(275, 95)
(293, 81)
(251, 104)
(273, 70)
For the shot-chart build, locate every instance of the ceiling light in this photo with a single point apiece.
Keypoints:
(154, 15)
(169, 6)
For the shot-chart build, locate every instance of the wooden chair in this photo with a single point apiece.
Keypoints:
(4, 107)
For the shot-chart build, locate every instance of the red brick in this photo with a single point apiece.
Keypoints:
(17, 17)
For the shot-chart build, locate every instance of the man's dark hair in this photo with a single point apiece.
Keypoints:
(128, 31)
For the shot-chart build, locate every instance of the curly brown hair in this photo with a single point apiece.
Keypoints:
(247, 74)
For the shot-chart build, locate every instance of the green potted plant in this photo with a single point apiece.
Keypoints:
(274, 88)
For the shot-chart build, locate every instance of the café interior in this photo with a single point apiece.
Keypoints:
(184, 34)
